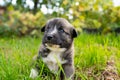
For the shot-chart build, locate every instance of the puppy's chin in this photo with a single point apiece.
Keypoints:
(54, 47)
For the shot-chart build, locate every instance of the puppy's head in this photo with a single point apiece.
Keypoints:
(58, 31)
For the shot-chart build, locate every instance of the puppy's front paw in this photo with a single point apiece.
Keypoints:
(33, 73)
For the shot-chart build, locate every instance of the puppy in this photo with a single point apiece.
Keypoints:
(57, 48)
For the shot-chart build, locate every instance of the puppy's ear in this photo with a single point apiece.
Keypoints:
(43, 28)
(74, 33)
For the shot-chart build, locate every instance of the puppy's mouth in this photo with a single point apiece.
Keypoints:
(52, 45)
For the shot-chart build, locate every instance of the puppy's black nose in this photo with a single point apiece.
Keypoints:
(49, 37)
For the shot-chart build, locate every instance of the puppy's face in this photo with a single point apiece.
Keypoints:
(58, 31)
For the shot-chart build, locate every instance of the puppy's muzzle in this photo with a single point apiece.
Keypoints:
(52, 39)
(49, 37)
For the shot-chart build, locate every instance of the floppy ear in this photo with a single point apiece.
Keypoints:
(74, 33)
(43, 28)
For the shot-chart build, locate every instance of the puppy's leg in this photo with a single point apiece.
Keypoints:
(68, 72)
(34, 71)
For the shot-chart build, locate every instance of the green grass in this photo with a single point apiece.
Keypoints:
(91, 54)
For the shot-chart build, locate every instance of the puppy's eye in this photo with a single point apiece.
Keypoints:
(48, 27)
(61, 29)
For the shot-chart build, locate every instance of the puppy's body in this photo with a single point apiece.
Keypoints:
(57, 47)
(54, 58)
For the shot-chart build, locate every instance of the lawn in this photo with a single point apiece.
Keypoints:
(94, 55)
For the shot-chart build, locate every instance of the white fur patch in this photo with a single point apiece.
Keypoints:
(54, 30)
(53, 60)
(33, 73)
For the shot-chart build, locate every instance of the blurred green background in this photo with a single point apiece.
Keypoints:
(26, 17)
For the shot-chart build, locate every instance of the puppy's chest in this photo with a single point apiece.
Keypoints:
(53, 60)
